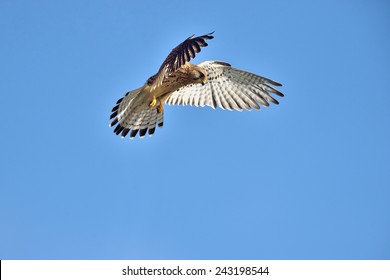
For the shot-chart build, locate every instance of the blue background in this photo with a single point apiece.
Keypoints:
(307, 179)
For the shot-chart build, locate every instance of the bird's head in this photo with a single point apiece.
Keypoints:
(199, 75)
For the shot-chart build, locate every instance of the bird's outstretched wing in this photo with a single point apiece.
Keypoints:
(228, 88)
(179, 56)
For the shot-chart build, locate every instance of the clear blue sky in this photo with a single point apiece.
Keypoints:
(307, 179)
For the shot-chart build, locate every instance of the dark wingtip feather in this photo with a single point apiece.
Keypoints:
(151, 131)
(161, 124)
(113, 115)
(133, 133)
(124, 132)
(114, 122)
(279, 93)
(142, 132)
(275, 83)
(208, 36)
(118, 129)
(275, 91)
(115, 108)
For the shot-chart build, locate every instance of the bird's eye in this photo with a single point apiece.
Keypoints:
(198, 75)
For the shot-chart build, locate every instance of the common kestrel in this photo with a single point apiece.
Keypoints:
(178, 82)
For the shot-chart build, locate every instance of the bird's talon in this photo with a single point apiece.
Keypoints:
(160, 108)
(153, 103)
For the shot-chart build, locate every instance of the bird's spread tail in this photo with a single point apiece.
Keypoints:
(131, 116)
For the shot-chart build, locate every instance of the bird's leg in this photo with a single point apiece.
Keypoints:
(160, 106)
(153, 103)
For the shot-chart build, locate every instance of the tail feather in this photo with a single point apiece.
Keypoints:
(132, 115)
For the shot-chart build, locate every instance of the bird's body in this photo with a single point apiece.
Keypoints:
(211, 83)
(185, 75)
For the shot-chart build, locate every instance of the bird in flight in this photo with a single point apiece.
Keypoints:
(178, 82)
